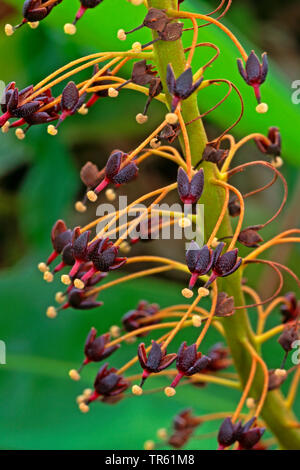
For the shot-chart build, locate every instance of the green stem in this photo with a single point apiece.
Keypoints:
(237, 327)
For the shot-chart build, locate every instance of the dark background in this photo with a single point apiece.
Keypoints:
(40, 182)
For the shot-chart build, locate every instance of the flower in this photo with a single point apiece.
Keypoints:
(190, 191)
(169, 132)
(274, 147)
(70, 102)
(33, 12)
(225, 305)
(290, 310)
(145, 311)
(247, 435)
(214, 155)
(77, 299)
(189, 362)
(228, 433)
(199, 261)
(103, 255)
(224, 265)
(250, 237)
(95, 349)
(116, 173)
(182, 87)
(289, 335)
(85, 5)
(184, 424)
(254, 73)
(13, 103)
(108, 384)
(156, 361)
(234, 207)
(60, 237)
(218, 356)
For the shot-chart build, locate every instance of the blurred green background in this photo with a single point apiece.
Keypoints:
(40, 182)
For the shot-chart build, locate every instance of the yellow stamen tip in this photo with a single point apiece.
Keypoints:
(215, 243)
(184, 222)
(20, 133)
(59, 297)
(87, 392)
(110, 194)
(65, 279)
(52, 130)
(262, 108)
(137, 47)
(112, 92)
(187, 293)
(203, 291)
(48, 277)
(84, 408)
(170, 391)
(136, 390)
(125, 247)
(70, 29)
(280, 372)
(91, 196)
(121, 35)
(80, 207)
(9, 29)
(162, 434)
(79, 284)
(149, 445)
(80, 399)
(141, 118)
(115, 331)
(33, 24)
(83, 110)
(250, 403)
(171, 118)
(73, 374)
(43, 267)
(5, 127)
(155, 143)
(277, 162)
(197, 321)
(51, 312)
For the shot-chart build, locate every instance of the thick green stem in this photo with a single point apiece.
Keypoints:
(237, 328)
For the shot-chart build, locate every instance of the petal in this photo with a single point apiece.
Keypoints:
(142, 355)
(197, 185)
(167, 361)
(171, 81)
(183, 183)
(69, 97)
(253, 68)
(155, 356)
(113, 164)
(184, 84)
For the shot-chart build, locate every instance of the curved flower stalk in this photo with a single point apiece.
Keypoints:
(164, 70)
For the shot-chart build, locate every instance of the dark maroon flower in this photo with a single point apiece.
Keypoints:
(14, 105)
(234, 207)
(108, 384)
(290, 310)
(199, 261)
(182, 87)
(254, 73)
(184, 424)
(70, 102)
(228, 433)
(189, 362)
(156, 361)
(274, 148)
(214, 155)
(190, 191)
(85, 5)
(116, 173)
(33, 10)
(142, 73)
(104, 256)
(218, 356)
(144, 310)
(250, 436)
(169, 132)
(225, 305)
(250, 237)
(90, 175)
(95, 349)
(77, 299)
(60, 237)
(224, 265)
(289, 335)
